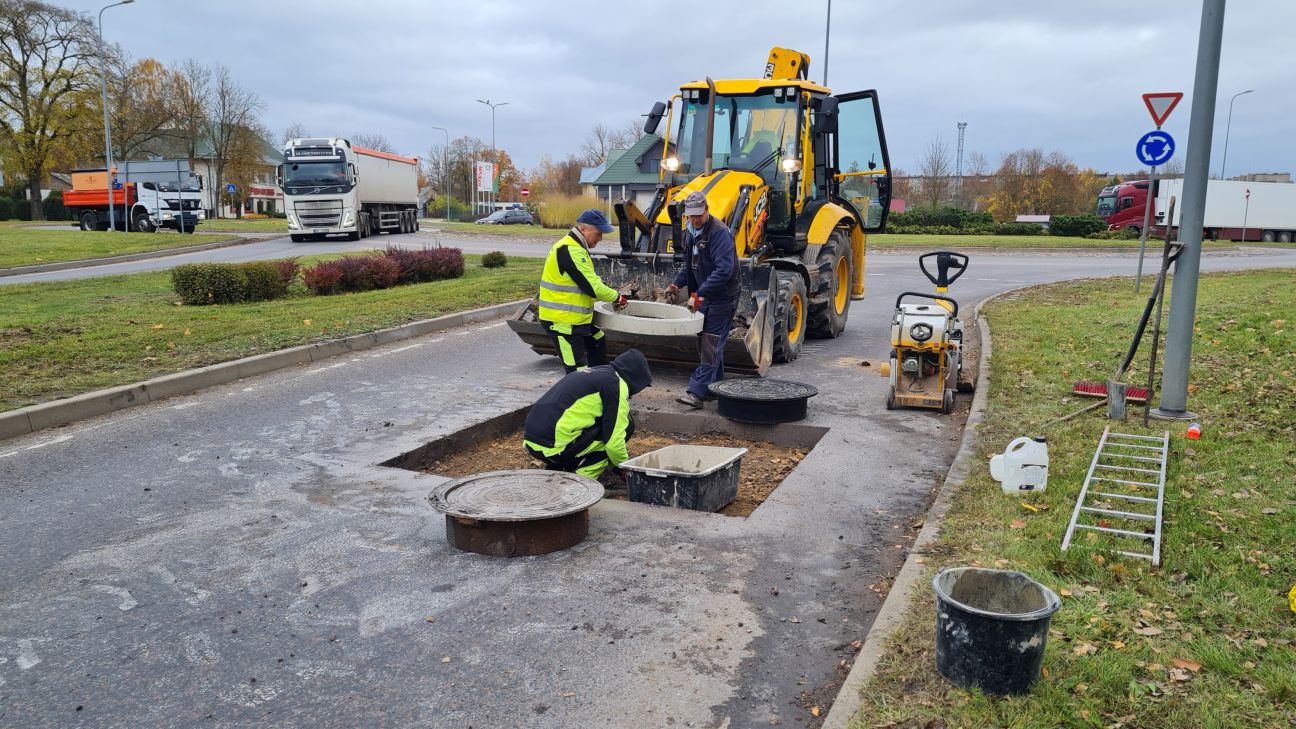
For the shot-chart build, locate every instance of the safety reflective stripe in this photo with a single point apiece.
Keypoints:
(565, 351)
(565, 307)
(561, 288)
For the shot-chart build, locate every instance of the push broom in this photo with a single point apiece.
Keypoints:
(1136, 394)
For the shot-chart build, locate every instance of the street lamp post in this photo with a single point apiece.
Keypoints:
(445, 167)
(1226, 129)
(103, 63)
(494, 157)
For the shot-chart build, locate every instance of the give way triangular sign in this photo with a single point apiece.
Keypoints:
(1160, 105)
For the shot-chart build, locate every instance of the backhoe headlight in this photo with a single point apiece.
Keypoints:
(671, 164)
(790, 165)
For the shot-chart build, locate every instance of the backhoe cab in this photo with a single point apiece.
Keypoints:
(799, 175)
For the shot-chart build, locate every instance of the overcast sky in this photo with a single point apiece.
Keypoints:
(1055, 75)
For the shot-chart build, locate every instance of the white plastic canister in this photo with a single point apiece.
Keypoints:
(1022, 467)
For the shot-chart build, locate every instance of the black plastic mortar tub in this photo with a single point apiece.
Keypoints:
(701, 478)
(991, 626)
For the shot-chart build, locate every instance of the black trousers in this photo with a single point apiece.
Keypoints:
(579, 345)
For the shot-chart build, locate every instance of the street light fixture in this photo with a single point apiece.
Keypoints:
(445, 167)
(1228, 126)
(494, 157)
(103, 62)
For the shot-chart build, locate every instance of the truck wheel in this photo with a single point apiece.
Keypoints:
(298, 238)
(1285, 237)
(830, 302)
(1137, 230)
(789, 322)
(89, 221)
(143, 223)
(1267, 237)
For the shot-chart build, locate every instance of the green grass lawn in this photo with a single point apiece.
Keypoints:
(908, 240)
(65, 338)
(1206, 639)
(237, 225)
(21, 246)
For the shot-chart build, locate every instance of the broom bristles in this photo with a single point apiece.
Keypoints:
(1099, 389)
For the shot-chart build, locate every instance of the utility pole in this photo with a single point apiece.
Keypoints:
(827, 33)
(958, 166)
(1183, 302)
(445, 167)
(494, 157)
(103, 63)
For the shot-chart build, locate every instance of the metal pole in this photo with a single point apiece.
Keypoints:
(1246, 209)
(445, 170)
(1227, 127)
(827, 33)
(103, 79)
(180, 194)
(1183, 304)
(1147, 218)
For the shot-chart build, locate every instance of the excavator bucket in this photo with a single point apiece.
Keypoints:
(642, 276)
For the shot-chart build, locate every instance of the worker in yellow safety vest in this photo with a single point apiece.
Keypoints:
(568, 289)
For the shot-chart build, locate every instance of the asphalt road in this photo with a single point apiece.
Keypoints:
(237, 557)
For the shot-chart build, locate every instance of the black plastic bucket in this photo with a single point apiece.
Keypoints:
(991, 627)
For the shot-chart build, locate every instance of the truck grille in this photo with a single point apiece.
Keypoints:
(319, 213)
(188, 204)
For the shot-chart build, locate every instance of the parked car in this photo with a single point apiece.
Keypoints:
(507, 217)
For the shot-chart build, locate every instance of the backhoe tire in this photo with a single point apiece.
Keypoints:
(830, 301)
(789, 321)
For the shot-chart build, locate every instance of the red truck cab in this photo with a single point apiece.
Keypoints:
(1123, 205)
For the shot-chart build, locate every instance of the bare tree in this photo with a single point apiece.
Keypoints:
(46, 86)
(935, 167)
(192, 103)
(629, 134)
(293, 131)
(233, 110)
(598, 143)
(376, 142)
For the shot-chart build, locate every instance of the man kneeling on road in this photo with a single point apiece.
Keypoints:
(582, 424)
(568, 289)
(711, 272)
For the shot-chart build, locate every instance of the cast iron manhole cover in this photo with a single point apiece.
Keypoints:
(762, 400)
(513, 513)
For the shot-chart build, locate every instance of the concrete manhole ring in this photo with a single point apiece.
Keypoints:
(648, 317)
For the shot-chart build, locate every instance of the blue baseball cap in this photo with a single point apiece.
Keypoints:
(597, 219)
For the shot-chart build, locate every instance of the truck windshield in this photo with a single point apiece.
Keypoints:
(752, 133)
(315, 173)
(1106, 205)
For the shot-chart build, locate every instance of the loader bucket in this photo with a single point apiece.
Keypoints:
(749, 349)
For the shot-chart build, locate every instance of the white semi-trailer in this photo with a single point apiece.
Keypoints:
(1261, 211)
(333, 187)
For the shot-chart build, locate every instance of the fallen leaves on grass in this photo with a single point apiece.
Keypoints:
(1085, 649)
(1187, 664)
(1017, 524)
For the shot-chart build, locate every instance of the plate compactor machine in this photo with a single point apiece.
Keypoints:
(927, 341)
(798, 174)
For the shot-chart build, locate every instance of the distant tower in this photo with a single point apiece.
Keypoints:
(958, 166)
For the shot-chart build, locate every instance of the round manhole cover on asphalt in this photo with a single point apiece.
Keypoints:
(527, 495)
(762, 400)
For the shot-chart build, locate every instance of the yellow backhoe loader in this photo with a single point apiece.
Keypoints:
(798, 174)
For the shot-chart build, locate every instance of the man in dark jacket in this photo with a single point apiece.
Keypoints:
(711, 272)
(582, 424)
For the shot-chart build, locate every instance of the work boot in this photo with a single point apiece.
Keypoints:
(688, 398)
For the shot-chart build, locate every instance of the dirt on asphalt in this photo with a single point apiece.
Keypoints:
(763, 468)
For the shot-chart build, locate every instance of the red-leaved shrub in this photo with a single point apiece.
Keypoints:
(323, 278)
(288, 268)
(428, 264)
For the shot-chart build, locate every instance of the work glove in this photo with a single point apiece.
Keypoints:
(695, 302)
(671, 294)
(620, 303)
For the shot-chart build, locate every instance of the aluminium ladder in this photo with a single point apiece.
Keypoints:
(1135, 464)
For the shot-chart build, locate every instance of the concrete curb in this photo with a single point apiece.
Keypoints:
(90, 262)
(61, 412)
(909, 579)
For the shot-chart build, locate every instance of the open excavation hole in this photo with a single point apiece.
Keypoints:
(496, 444)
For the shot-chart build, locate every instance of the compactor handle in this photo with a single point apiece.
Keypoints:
(935, 297)
(946, 261)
